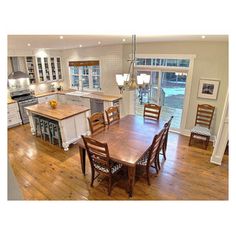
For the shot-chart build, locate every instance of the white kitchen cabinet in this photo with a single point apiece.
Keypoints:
(13, 115)
(49, 69)
(45, 99)
(30, 66)
(61, 98)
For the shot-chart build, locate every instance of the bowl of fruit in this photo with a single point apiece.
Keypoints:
(53, 103)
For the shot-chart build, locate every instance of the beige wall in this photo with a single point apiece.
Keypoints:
(111, 61)
(211, 62)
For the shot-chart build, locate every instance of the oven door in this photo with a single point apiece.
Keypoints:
(22, 105)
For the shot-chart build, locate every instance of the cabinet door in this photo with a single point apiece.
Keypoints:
(47, 68)
(30, 66)
(53, 68)
(40, 69)
(42, 99)
(59, 73)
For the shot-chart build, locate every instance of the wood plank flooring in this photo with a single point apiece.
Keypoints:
(46, 172)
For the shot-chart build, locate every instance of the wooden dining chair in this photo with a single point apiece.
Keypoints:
(100, 160)
(164, 141)
(112, 114)
(203, 121)
(96, 122)
(149, 157)
(152, 111)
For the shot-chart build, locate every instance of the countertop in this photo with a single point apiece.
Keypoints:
(90, 95)
(37, 95)
(61, 112)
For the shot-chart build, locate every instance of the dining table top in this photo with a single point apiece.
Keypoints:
(129, 138)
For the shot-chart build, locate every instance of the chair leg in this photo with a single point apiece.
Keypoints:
(109, 186)
(164, 152)
(207, 142)
(148, 179)
(156, 166)
(190, 139)
(158, 161)
(92, 177)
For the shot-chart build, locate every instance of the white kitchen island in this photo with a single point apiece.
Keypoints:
(72, 120)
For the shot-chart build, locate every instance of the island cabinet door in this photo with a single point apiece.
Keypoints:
(72, 128)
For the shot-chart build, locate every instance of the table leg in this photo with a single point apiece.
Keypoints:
(82, 158)
(131, 176)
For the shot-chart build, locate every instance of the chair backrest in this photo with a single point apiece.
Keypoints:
(98, 153)
(152, 111)
(166, 132)
(112, 114)
(155, 147)
(204, 115)
(96, 122)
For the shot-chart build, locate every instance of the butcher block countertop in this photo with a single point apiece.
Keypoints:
(61, 112)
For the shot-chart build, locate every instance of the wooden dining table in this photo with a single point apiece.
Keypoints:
(128, 139)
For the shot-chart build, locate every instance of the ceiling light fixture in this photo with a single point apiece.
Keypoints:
(80, 46)
(99, 42)
(123, 40)
(61, 37)
(130, 81)
(28, 44)
(203, 36)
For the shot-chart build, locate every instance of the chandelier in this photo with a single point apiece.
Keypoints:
(131, 81)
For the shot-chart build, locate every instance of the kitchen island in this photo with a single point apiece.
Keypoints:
(72, 120)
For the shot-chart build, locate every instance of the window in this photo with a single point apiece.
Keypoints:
(85, 74)
(162, 62)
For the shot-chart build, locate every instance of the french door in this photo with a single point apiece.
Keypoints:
(167, 88)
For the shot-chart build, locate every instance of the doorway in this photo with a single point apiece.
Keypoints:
(167, 89)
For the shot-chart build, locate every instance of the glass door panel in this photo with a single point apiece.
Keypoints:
(172, 96)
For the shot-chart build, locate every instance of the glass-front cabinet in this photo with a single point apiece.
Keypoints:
(40, 69)
(49, 69)
(30, 66)
(53, 68)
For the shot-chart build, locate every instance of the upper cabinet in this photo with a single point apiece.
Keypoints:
(39, 69)
(49, 69)
(30, 67)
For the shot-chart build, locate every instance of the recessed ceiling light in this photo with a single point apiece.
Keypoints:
(123, 40)
(99, 42)
(28, 44)
(61, 37)
(203, 36)
(80, 45)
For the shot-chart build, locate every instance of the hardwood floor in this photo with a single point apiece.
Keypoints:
(45, 171)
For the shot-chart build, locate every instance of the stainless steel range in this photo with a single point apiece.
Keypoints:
(24, 99)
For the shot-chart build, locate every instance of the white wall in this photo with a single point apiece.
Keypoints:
(211, 62)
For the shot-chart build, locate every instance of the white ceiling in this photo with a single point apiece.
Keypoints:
(74, 41)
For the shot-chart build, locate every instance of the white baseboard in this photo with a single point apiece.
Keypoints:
(217, 160)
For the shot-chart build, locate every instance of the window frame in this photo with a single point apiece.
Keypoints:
(80, 74)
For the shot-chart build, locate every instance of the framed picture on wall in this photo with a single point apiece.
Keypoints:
(208, 88)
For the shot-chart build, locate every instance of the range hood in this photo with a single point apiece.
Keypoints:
(16, 74)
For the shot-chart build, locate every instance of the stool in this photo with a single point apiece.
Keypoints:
(37, 125)
(45, 130)
(55, 132)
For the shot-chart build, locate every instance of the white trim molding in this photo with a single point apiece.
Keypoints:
(222, 136)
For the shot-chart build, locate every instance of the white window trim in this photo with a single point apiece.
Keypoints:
(189, 69)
